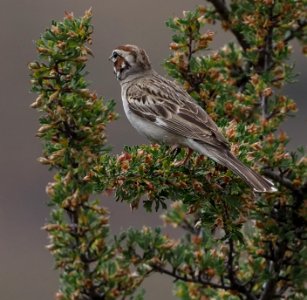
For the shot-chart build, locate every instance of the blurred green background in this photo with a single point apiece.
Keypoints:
(26, 267)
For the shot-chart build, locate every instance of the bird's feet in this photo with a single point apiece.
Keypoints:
(174, 150)
(183, 162)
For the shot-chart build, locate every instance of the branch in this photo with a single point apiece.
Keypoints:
(265, 59)
(293, 32)
(203, 282)
(224, 13)
(298, 195)
(189, 279)
(282, 180)
(269, 290)
(236, 285)
(275, 266)
(230, 261)
(186, 225)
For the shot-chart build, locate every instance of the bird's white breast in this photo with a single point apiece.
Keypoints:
(149, 129)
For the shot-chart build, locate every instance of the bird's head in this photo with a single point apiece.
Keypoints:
(129, 60)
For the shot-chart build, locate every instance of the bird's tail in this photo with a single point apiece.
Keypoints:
(227, 159)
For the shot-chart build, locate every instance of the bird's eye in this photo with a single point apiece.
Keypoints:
(114, 55)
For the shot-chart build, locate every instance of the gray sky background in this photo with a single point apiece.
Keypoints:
(26, 268)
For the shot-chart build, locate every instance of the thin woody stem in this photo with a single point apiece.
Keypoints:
(224, 13)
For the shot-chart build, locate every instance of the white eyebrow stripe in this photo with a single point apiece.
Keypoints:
(130, 59)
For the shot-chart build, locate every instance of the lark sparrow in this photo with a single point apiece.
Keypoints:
(163, 112)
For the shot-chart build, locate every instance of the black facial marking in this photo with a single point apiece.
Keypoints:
(120, 64)
(125, 67)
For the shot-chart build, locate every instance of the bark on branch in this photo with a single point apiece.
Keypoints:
(224, 13)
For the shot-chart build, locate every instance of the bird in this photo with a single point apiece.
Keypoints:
(163, 112)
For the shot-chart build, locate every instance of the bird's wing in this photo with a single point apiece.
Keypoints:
(167, 105)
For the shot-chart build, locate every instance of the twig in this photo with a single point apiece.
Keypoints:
(236, 284)
(223, 11)
(189, 279)
(280, 179)
(190, 47)
(186, 225)
(293, 32)
(265, 60)
(274, 269)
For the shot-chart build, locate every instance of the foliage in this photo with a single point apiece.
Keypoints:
(73, 122)
(237, 245)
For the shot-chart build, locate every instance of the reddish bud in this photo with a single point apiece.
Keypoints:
(148, 159)
(197, 186)
(297, 182)
(267, 92)
(61, 44)
(59, 296)
(42, 50)
(210, 272)
(81, 59)
(283, 137)
(255, 79)
(34, 65)
(202, 9)
(88, 13)
(260, 252)
(44, 160)
(270, 138)
(124, 156)
(197, 240)
(174, 46)
(292, 106)
(55, 29)
(149, 185)
(38, 102)
(68, 15)
(228, 107)
(268, 2)
(54, 95)
(125, 165)
(50, 189)
(44, 128)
